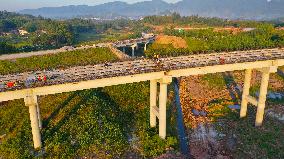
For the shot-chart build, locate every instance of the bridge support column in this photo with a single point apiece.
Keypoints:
(145, 47)
(123, 49)
(153, 103)
(246, 88)
(260, 103)
(31, 102)
(38, 113)
(262, 94)
(133, 51)
(163, 106)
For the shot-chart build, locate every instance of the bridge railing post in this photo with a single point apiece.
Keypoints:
(163, 106)
(246, 89)
(31, 102)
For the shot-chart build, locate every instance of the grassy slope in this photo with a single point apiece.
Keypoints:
(94, 123)
(206, 41)
(263, 142)
(85, 123)
(60, 60)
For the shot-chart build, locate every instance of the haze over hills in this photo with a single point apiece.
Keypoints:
(231, 9)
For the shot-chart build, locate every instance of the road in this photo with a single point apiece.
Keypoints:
(65, 49)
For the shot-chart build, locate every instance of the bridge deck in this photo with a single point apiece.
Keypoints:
(143, 70)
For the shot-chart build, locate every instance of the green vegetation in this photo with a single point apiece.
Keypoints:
(98, 123)
(137, 102)
(42, 33)
(197, 21)
(74, 123)
(45, 34)
(208, 40)
(214, 80)
(252, 142)
(60, 60)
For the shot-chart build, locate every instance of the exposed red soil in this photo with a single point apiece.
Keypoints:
(177, 42)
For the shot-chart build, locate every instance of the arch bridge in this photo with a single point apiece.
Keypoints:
(24, 86)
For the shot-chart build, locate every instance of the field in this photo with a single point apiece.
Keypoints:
(89, 38)
(177, 42)
(61, 60)
(209, 40)
(102, 123)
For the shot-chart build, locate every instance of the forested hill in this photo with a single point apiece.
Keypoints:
(231, 9)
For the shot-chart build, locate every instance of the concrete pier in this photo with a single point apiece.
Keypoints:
(153, 102)
(260, 102)
(163, 106)
(133, 50)
(262, 97)
(246, 88)
(31, 102)
(145, 47)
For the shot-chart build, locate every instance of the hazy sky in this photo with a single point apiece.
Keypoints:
(15, 5)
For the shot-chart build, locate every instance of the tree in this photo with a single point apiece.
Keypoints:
(7, 25)
(31, 27)
(6, 48)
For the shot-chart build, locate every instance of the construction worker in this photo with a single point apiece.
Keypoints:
(10, 84)
(222, 60)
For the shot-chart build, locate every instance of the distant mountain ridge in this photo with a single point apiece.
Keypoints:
(231, 9)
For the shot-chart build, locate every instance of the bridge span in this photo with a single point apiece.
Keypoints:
(26, 86)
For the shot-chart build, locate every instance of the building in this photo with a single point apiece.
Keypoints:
(22, 32)
(147, 35)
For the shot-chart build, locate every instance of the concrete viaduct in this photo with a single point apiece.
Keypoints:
(93, 76)
(133, 43)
